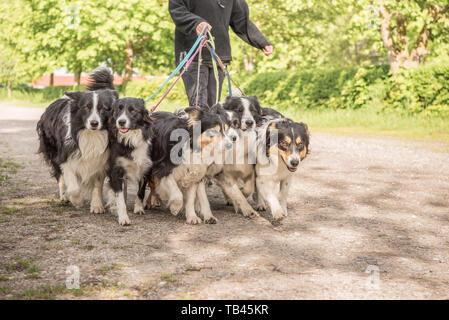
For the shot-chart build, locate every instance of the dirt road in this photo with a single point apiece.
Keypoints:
(369, 218)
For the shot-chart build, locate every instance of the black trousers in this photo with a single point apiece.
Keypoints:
(208, 86)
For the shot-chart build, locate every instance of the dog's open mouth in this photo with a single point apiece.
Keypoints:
(292, 169)
(123, 130)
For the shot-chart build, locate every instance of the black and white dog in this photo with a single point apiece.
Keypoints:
(73, 140)
(130, 135)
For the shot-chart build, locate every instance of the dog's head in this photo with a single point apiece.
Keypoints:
(231, 121)
(213, 127)
(130, 114)
(247, 109)
(293, 141)
(91, 110)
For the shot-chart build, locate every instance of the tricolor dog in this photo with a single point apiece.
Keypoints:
(183, 150)
(283, 145)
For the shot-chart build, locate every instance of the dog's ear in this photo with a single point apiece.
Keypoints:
(256, 103)
(114, 94)
(307, 129)
(194, 113)
(74, 95)
(145, 113)
(217, 108)
(227, 102)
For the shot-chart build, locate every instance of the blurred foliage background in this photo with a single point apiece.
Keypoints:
(388, 56)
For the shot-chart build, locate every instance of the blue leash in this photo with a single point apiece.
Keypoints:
(183, 62)
(214, 56)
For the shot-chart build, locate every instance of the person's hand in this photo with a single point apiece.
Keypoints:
(201, 26)
(268, 50)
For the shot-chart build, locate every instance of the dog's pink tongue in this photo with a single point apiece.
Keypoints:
(292, 169)
(124, 130)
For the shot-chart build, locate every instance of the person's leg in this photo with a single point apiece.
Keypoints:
(190, 83)
(212, 87)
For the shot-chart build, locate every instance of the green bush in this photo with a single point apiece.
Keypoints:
(423, 90)
(306, 89)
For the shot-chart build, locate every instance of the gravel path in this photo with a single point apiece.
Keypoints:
(369, 218)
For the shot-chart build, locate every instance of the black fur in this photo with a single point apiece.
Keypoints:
(54, 144)
(139, 119)
(271, 113)
(291, 129)
(101, 79)
(235, 104)
(165, 123)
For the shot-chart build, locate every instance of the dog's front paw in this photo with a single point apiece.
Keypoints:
(250, 213)
(175, 206)
(64, 198)
(278, 215)
(210, 220)
(261, 207)
(124, 220)
(96, 208)
(193, 220)
(77, 199)
(138, 208)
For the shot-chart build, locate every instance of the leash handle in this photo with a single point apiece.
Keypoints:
(201, 36)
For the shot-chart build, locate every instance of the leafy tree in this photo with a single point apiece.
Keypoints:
(408, 26)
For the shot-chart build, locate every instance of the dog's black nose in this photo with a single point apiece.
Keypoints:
(234, 138)
(122, 122)
(94, 123)
(249, 122)
(294, 163)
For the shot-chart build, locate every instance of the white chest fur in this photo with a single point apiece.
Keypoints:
(140, 161)
(92, 155)
(273, 168)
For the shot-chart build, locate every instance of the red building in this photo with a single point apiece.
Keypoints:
(69, 80)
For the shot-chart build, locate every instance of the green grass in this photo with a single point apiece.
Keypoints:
(43, 293)
(368, 122)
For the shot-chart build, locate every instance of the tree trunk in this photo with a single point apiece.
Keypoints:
(52, 79)
(248, 62)
(398, 52)
(129, 62)
(9, 85)
(78, 77)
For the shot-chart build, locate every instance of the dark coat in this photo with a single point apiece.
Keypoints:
(220, 14)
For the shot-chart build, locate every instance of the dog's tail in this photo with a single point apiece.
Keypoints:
(101, 78)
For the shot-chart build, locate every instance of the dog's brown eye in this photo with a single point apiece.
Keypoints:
(86, 108)
(132, 110)
(120, 108)
(284, 144)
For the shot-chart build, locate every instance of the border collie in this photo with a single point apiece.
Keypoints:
(249, 114)
(193, 143)
(74, 140)
(130, 135)
(232, 130)
(285, 145)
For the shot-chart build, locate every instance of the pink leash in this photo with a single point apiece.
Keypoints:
(203, 43)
